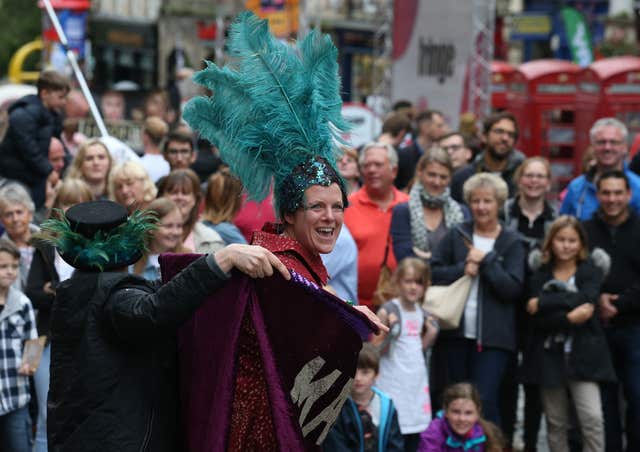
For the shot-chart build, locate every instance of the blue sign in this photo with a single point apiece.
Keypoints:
(74, 24)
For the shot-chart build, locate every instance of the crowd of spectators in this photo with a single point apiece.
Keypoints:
(554, 303)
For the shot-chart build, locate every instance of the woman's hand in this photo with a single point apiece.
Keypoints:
(607, 309)
(373, 318)
(431, 331)
(48, 288)
(52, 186)
(532, 305)
(472, 262)
(580, 314)
(471, 269)
(253, 260)
(475, 255)
(26, 369)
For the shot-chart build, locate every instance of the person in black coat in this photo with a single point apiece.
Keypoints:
(616, 229)
(493, 256)
(531, 215)
(33, 121)
(113, 372)
(45, 273)
(567, 349)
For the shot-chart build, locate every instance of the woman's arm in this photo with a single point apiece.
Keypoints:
(38, 288)
(444, 267)
(552, 302)
(504, 272)
(401, 232)
(431, 331)
(557, 311)
(136, 314)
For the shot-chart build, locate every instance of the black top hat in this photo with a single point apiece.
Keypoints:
(98, 235)
(87, 218)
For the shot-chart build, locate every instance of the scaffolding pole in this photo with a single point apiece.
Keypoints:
(479, 88)
(383, 51)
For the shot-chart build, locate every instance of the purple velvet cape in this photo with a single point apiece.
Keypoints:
(296, 322)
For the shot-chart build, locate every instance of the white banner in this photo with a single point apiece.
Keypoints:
(432, 44)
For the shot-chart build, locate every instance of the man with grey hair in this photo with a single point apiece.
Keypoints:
(369, 215)
(608, 138)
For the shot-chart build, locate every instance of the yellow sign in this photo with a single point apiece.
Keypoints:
(16, 74)
(281, 14)
(531, 25)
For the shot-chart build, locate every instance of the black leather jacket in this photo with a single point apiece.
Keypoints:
(113, 359)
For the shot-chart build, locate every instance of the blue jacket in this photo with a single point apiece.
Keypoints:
(346, 435)
(581, 201)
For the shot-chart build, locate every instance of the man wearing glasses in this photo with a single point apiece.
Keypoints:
(178, 150)
(499, 157)
(609, 141)
(454, 144)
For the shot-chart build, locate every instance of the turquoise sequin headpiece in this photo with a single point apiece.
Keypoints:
(316, 171)
(274, 113)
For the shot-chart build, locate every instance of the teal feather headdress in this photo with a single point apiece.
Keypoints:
(274, 108)
(105, 250)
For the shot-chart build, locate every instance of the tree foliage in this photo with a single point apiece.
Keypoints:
(20, 22)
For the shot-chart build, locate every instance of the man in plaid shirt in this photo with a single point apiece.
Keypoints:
(17, 324)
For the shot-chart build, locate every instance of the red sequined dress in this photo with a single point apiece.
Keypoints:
(251, 421)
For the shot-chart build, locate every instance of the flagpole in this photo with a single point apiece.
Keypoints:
(76, 69)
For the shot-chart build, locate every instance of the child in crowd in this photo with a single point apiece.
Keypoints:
(459, 426)
(17, 324)
(368, 421)
(567, 350)
(403, 367)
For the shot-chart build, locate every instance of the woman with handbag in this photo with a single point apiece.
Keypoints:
(419, 224)
(567, 350)
(493, 256)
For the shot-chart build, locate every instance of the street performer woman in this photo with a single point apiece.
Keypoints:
(275, 115)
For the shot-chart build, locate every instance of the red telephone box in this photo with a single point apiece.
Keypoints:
(542, 96)
(501, 73)
(608, 87)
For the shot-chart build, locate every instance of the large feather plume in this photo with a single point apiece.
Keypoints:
(273, 106)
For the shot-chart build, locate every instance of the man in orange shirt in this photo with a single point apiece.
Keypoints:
(369, 215)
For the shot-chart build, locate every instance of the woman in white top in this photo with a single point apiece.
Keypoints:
(493, 255)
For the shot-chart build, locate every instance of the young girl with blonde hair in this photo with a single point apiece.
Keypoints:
(403, 367)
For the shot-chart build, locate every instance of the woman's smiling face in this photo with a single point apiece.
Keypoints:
(317, 225)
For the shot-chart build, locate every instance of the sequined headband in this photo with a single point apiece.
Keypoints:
(289, 195)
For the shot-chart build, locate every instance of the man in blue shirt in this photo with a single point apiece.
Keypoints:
(609, 140)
